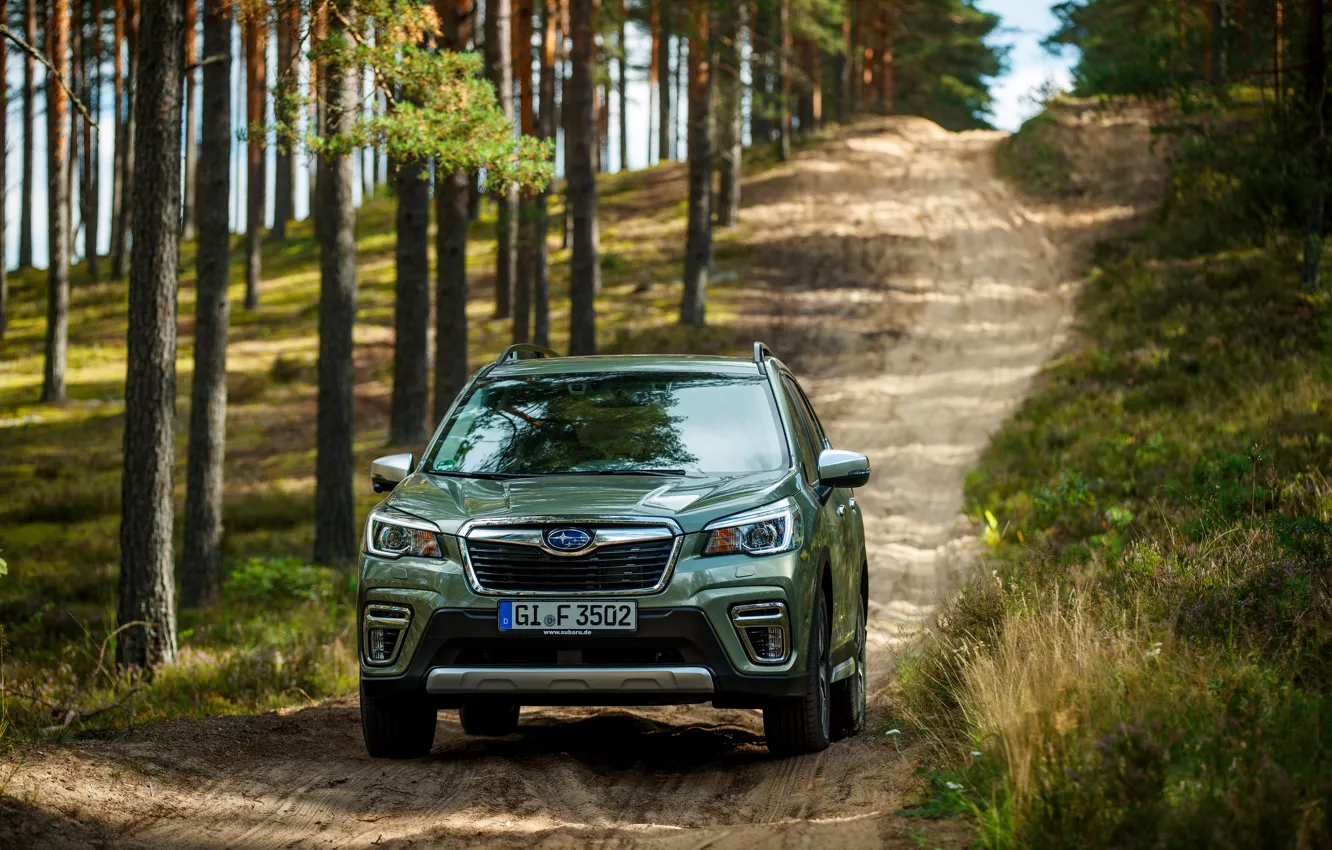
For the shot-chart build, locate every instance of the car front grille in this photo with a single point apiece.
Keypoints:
(615, 568)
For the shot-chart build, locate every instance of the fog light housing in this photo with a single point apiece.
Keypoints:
(384, 626)
(764, 631)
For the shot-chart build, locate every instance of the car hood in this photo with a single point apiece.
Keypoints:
(450, 502)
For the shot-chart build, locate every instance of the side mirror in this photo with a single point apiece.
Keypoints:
(839, 468)
(387, 471)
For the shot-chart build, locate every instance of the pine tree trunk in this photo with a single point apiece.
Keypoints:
(316, 25)
(676, 152)
(411, 312)
(335, 530)
(1315, 97)
(624, 88)
(730, 141)
(784, 79)
(201, 570)
(77, 158)
(665, 118)
(4, 174)
(93, 203)
(58, 226)
(146, 560)
(451, 194)
(498, 22)
(256, 38)
(522, 66)
(283, 185)
(698, 240)
(540, 221)
(187, 213)
(29, 97)
(654, 31)
(585, 268)
(122, 231)
(887, 64)
(847, 67)
(760, 60)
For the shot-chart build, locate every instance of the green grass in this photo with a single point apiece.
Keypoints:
(265, 646)
(1035, 163)
(1148, 659)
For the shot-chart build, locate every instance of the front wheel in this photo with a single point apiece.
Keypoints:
(802, 724)
(397, 728)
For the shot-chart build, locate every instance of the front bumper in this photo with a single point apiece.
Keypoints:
(675, 657)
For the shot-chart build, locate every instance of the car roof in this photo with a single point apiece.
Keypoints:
(703, 364)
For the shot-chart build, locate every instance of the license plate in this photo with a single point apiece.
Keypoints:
(568, 616)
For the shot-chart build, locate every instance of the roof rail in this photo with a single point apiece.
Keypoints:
(512, 352)
(761, 351)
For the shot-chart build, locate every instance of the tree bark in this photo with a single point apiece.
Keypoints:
(411, 312)
(313, 121)
(1315, 97)
(522, 65)
(760, 61)
(698, 243)
(92, 204)
(500, 70)
(4, 175)
(284, 187)
(58, 232)
(585, 269)
(731, 141)
(676, 144)
(665, 117)
(335, 531)
(29, 96)
(187, 213)
(122, 231)
(624, 88)
(546, 130)
(256, 40)
(202, 567)
(847, 66)
(784, 79)
(118, 132)
(887, 64)
(146, 561)
(78, 159)
(451, 194)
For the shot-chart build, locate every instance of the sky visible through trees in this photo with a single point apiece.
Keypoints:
(1023, 24)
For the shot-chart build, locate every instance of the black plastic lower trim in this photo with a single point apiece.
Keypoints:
(666, 636)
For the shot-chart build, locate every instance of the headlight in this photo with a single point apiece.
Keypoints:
(394, 535)
(763, 531)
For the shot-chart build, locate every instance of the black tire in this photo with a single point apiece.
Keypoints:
(848, 695)
(803, 724)
(490, 717)
(397, 728)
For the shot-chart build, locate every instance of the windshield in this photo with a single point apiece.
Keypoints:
(612, 423)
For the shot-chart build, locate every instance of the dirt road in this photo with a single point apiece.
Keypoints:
(919, 297)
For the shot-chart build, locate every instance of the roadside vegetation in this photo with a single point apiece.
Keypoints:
(1145, 659)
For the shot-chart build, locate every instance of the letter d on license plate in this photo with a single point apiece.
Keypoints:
(568, 616)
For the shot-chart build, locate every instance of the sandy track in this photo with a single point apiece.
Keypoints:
(919, 297)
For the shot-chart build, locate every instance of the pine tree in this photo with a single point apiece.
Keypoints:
(201, 573)
(256, 91)
(29, 97)
(146, 562)
(698, 247)
(581, 139)
(498, 23)
(187, 212)
(58, 224)
(730, 142)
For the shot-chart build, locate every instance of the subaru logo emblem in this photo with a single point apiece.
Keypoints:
(568, 539)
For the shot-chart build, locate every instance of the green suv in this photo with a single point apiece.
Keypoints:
(630, 530)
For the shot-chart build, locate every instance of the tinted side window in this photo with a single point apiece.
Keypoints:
(806, 437)
(820, 436)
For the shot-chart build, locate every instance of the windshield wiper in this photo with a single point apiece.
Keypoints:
(485, 476)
